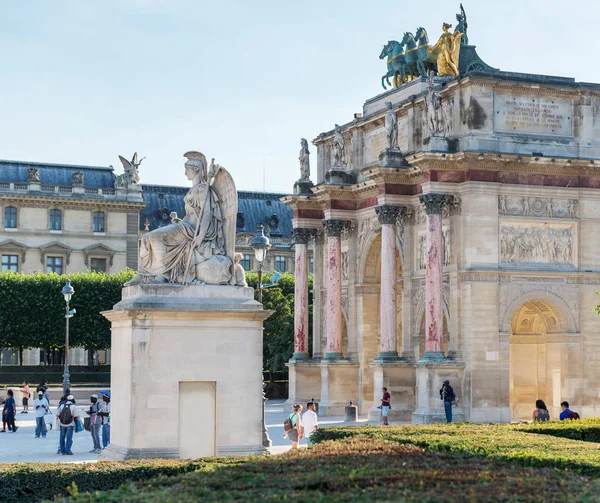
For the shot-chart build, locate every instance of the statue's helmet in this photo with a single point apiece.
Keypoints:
(195, 160)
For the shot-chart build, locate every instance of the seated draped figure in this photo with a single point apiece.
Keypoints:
(197, 249)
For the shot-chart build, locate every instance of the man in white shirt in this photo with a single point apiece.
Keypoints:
(41, 406)
(67, 424)
(309, 420)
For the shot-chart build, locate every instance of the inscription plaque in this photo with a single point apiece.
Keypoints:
(514, 114)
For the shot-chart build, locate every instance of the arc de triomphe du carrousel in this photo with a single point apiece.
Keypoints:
(456, 232)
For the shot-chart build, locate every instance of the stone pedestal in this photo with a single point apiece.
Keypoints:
(399, 379)
(393, 158)
(430, 376)
(302, 188)
(339, 386)
(186, 372)
(337, 175)
(304, 381)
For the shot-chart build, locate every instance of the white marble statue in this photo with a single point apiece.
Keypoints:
(338, 149)
(239, 275)
(199, 248)
(304, 159)
(391, 126)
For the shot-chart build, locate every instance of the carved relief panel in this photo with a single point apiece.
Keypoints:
(543, 244)
(544, 207)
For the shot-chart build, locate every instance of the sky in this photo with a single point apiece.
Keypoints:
(241, 81)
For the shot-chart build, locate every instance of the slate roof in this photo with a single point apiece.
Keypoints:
(253, 208)
(96, 177)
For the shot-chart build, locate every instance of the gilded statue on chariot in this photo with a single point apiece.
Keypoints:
(447, 50)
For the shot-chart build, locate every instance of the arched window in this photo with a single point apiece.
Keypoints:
(55, 220)
(10, 217)
(98, 221)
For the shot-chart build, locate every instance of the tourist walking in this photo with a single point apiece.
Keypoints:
(9, 411)
(292, 426)
(541, 411)
(41, 407)
(105, 415)
(385, 406)
(67, 414)
(567, 413)
(310, 421)
(25, 394)
(447, 395)
(95, 422)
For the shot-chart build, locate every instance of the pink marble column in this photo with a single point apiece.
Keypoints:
(333, 230)
(434, 315)
(388, 349)
(302, 237)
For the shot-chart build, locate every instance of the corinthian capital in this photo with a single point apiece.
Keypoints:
(435, 203)
(388, 214)
(334, 228)
(302, 235)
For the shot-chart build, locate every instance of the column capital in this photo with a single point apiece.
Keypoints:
(388, 213)
(334, 228)
(434, 202)
(303, 234)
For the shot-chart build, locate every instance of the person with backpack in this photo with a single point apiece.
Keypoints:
(67, 414)
(567, 413)
(447, 395)
(292, 426)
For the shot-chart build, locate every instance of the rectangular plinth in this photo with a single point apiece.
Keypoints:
(170, 340)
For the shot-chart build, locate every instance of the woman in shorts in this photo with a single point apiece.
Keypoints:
(297, 431)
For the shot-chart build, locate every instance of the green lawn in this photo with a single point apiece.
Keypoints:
(438, 463)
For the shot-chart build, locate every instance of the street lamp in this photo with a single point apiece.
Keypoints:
(261, 245)
(67, 292)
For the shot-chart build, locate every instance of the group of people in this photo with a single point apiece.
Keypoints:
(297, 426)
(70, 418)
(541, 412)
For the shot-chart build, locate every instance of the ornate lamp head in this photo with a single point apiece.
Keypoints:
(260, 243)
(68, 291)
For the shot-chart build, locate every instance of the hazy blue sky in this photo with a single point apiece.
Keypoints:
(84, 80)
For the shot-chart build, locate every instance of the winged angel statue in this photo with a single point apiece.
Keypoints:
(131, 176)
(200, 247)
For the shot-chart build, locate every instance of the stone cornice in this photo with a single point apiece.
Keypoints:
(33, 201)
(542, 277)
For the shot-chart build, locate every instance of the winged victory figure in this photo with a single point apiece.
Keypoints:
(131, 175)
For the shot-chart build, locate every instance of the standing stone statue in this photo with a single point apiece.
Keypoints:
(77, 179)
(199, 248)
(391, 126)
(339, 147)
(447, 51)
(462, 26)
(304, 160)
(33, 175)
(433, 104)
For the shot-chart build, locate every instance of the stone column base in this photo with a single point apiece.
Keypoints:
(304, 381)
(430, 376)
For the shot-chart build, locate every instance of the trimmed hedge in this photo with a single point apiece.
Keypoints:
(34, 482)
(358, 469)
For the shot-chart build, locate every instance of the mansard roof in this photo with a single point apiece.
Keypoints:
(253, 208)
(97, 177)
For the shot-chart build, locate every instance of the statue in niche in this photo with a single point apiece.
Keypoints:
(33, 175)
(391, 126)
(446, 246)
(239, 275)
(131, 175)
(461, 26)
(199, 248)
(338, 149)
(447, 50)
(304, 160)
(422, 252)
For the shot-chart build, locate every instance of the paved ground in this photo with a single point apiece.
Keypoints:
(22, 446)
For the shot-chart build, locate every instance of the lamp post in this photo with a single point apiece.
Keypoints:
(67, 292)
(261, 245)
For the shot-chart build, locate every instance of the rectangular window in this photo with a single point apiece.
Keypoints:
(98, 221)
(246, 262)
(280, 263)
(98, 264)
(54, 264)
(10, 263)
(10, 217)
(55, 220)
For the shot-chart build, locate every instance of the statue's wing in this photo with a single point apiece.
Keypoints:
(225, 187)
(134, 161)
(126, 164)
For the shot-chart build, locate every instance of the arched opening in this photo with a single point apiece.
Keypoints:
(539, 358)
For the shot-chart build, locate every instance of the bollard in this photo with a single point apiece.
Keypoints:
(351, 413)
(316, 406)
